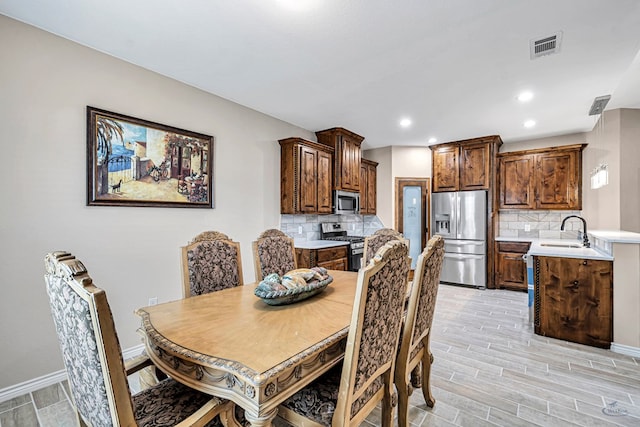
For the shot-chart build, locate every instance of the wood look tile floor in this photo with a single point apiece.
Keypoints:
(490, 369)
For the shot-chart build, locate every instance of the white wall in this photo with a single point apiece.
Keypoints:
(630, 170)
(46, 83)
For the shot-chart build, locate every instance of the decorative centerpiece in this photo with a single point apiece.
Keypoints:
(295, 285)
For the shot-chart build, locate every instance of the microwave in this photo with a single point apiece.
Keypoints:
(346, 202)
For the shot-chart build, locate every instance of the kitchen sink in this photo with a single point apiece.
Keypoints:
(563, 245)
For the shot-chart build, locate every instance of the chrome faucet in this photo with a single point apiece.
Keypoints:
(585, 238)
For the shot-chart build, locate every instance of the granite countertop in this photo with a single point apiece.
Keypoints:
(319, 244)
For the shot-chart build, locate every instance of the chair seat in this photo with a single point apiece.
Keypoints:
(317, 401)
(167, 404)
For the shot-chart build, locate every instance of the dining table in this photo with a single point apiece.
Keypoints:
(233, 345)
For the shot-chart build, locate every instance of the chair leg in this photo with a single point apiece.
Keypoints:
(389, 401)
(427, 360)
(403, 404)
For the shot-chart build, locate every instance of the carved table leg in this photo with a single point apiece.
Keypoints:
(263, 421)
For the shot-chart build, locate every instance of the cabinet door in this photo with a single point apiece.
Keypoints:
(474, 166)
(445, 168)
(516, 182)
(558, 180)
(324, 182)
(350, 164)
(511, 271)
(308, 182)
(574, 300)
(363, 189)
(371, 190)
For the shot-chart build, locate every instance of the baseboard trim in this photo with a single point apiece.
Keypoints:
(34, 384)
(625, 349)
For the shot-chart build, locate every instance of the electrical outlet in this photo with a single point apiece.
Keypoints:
(527, 227)
(153, 300)
(299, 229)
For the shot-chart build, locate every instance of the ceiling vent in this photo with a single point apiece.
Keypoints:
(545, 45)
(598, 105)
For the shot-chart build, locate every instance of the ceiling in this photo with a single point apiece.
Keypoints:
(454, 67)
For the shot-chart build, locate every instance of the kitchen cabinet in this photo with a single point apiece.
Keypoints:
(574, 300)
(464, 165)
(346, 159)
(511, 270)
(549, 178)
(334, 258)
(368, 187)
(305, 177)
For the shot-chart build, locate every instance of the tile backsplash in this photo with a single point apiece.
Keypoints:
(307, 227)
(540, 224)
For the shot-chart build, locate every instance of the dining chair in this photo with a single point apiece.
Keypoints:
(96, 372)
(378, 239)
(347, 393)
(210, 262)
(273, 252)
(414, 355)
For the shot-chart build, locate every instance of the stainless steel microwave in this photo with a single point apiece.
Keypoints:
(346, 202)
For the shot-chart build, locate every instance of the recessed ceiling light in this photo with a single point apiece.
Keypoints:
(529, 123)
(297, 5)
(433, 140)
(525, 96)
(405, 123)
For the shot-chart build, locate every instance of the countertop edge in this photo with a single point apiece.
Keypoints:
(319, 244)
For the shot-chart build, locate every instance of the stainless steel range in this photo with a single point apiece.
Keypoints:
(334, 231)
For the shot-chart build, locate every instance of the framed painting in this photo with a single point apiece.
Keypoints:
(135, 162)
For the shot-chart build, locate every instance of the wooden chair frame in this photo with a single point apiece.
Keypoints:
(418, 367)
(347, 394)
(62, 265)
(206, 236)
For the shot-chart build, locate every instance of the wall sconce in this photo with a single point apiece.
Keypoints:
(600, 176)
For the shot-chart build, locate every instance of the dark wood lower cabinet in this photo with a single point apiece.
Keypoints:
(511, 270)
(574, 300)
(334, 258)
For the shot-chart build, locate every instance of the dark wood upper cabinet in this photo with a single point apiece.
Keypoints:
(474, 166)
(549, 178)
(305, 177)
(346, 159)
(516, 182)
(464, 165)
(445, 168)
(368, 187)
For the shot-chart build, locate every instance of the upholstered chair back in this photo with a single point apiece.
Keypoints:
(346, 397)
(90, 348)
(210, 262)
(273, 252)
(96, 372)
(414, 355)
(378, 239)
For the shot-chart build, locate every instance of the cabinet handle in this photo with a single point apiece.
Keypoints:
(511, 258)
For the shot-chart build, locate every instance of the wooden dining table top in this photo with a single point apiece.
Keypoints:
(237, 326)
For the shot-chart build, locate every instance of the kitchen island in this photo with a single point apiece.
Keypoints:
(623, 248)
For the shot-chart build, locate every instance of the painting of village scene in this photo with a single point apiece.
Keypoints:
(133, 162)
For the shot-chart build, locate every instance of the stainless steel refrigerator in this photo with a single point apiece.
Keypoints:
(461, 219)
